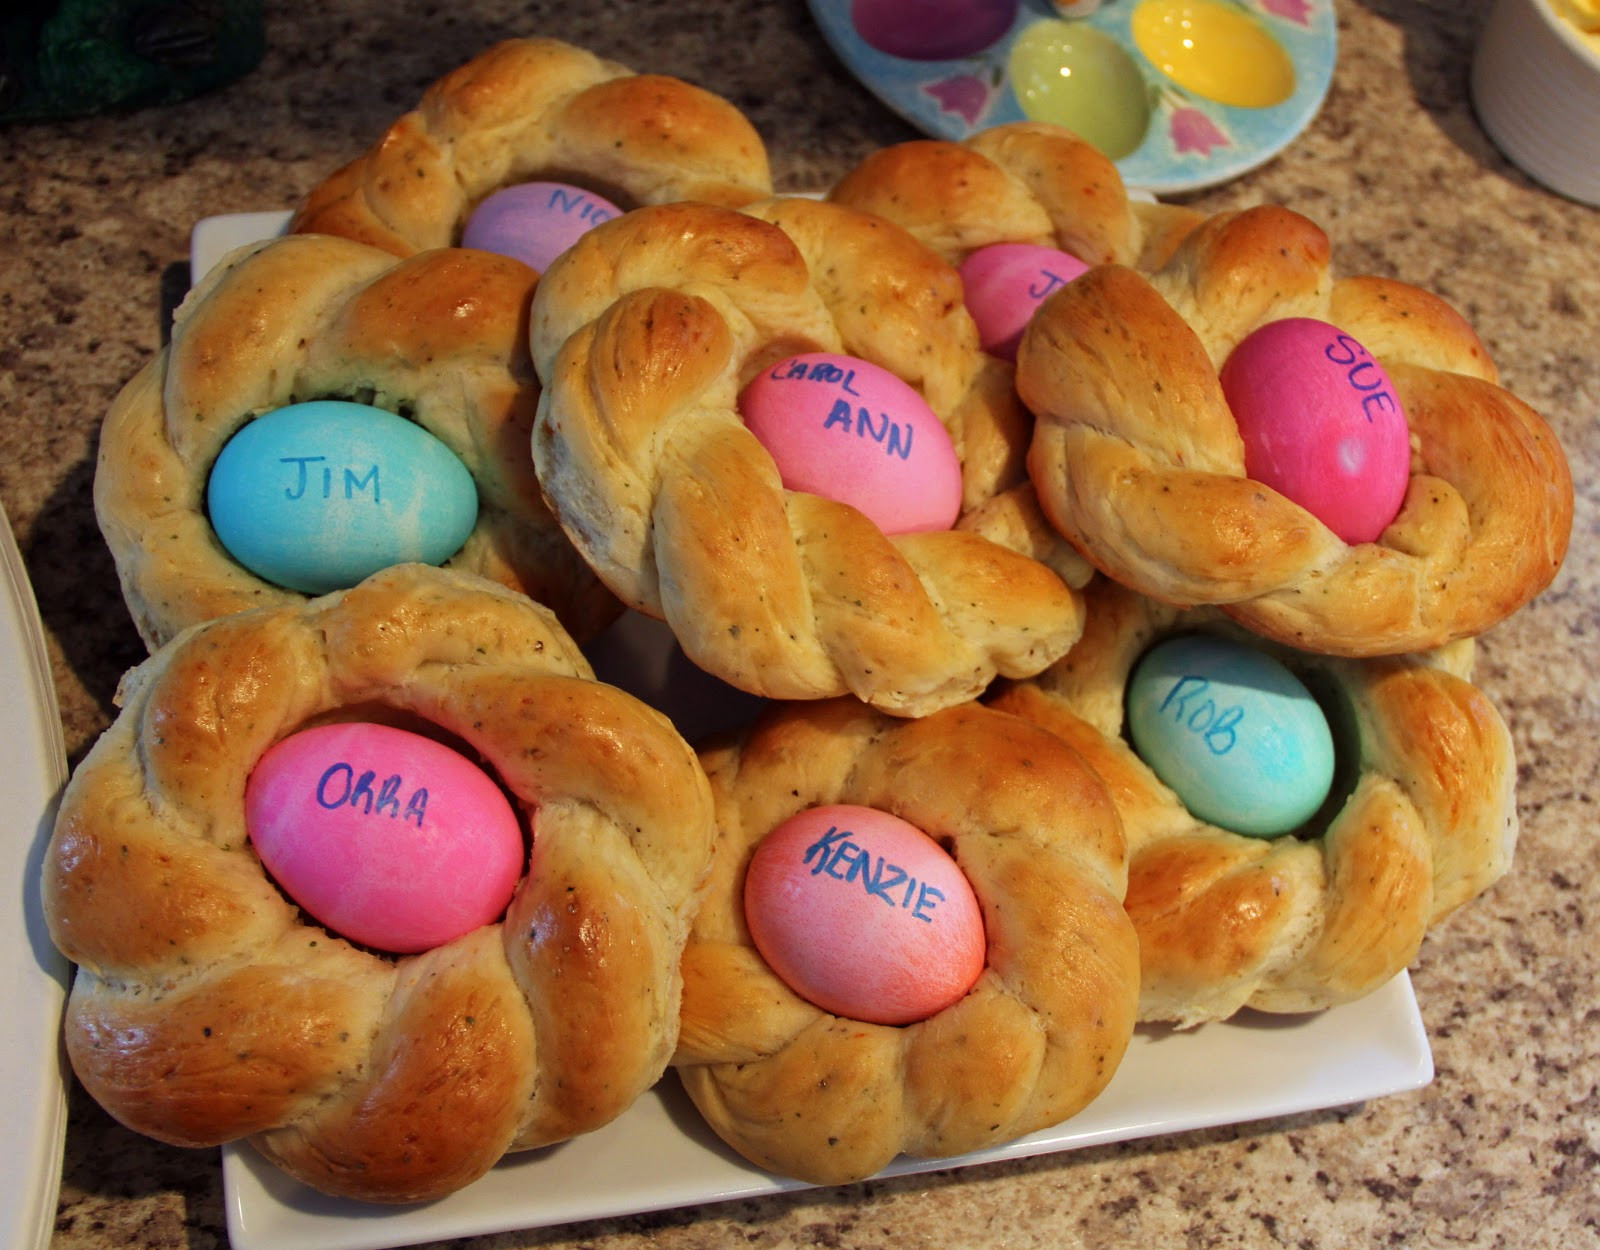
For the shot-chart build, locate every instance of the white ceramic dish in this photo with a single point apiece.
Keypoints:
(1536, 88)
(33, 982)
(659, 1155)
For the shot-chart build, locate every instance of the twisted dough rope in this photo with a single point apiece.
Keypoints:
(1284, 924)
(206, 1008)
(1022, 182)
(532, 109)
(645, 331)
(440, 338)
(1138, 461)
(831, 1100)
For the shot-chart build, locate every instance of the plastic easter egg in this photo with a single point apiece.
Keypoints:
(864, 915)
(1073, 75)
(1232, 732)
(386, 837)
(535, 221)
(1215, 50)
(1322, 424)
(316, 496)
(851, 431)
(1006, 282)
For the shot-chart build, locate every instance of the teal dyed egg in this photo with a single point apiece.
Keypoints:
(316, 496)
(1233, 732)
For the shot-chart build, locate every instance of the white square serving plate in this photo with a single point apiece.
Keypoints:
(34, 975)
(659, 1154)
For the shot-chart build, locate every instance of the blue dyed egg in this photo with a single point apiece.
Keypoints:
(316, 496)
(1233, 732)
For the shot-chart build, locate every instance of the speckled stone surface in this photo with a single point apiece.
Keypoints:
(1502, 1149)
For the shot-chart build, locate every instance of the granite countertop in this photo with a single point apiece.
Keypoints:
(1502, 1148)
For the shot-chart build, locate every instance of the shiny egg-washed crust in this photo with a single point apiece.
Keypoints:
(440, 338)
(1422, 819)
(206, 1008)
(645, 332)
(829, 1099)
(1022, 182)
(1138, 461)
(538, 110)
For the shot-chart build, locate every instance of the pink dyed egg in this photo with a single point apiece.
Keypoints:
(387, 838)
(1006, 282)
(535, 221)
(864, 915)
(851, 431)
(1321, 423)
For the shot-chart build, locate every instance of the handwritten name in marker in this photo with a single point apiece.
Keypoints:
(834, 854)
(354, 483)
(341, 786)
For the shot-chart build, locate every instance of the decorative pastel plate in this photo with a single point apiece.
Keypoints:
(1182, 94)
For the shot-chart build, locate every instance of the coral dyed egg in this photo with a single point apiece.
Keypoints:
(388, 838)
(1006, 282)
(1321, 423)
(864, 915)
(1233, 732)
(535, 221)
(851, 431)
(316, 496)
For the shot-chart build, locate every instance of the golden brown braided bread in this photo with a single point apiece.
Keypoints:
(1424, 819)
(828, 1099)
(441, 337)
(1138, 461)
(644, 334)
(530, 110)
(1023, 182)
(207, 1008)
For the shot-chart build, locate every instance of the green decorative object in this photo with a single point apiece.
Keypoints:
(68, 58)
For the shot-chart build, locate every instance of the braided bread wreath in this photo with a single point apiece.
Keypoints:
(440, 338)
(1422, 819)
(831, 1100)
(206, 1008)
(1022, 182)
(1138, 461)
(534, 109)
(644, 333)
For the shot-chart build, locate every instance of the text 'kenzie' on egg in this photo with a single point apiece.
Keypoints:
(864, 915)
(386, 837)
(853, 432)
(316, 496)
(1235, 735)
(1322, 424)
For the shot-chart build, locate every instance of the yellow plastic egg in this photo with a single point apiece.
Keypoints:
(1214, 51)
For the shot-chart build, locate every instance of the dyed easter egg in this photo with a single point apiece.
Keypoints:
(1006, 282)
(1321, 423)
(1232, 732)
(864, 915)
(316, 496)
(386, 837)
(851, 431)
(932, 30)
(535, 221)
